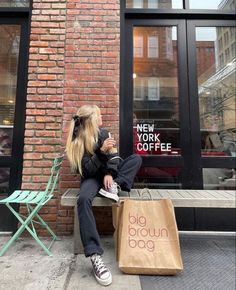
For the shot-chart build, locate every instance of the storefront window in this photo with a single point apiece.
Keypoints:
(5, 140)
(213, 4)
(158, 177)
(4, 181)
(155, 4)
(216, 63)
(14, 3)
(155, 91)
(219, 178)
(9, 53)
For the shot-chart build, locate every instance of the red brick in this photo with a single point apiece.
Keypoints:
(42, 163)
(34, 126)
(33, 141)
(39, 43)
(35, 112)
(30, 186)
(46, 91)
(44, 149)
(44, 119)
(45, 133)
(40, 179)
(30, 171)
(36, 84)
(33, 156)
(47, 77)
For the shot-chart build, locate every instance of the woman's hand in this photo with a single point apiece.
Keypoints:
(107, 181)
(108, 144)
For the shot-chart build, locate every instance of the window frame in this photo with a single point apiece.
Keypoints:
(17, 16)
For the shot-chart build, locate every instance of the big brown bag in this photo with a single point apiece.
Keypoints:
(146, 236)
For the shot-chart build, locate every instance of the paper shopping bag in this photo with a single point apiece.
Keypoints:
(117, 210)
(148, 241)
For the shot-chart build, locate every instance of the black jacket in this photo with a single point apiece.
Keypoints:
(100, 163)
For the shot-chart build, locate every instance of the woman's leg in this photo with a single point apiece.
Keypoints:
(88, 230)
(127, 171)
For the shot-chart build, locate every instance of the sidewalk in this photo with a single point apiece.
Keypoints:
(209, 264)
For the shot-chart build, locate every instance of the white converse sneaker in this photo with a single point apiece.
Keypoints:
(111, 192)
(100, 270)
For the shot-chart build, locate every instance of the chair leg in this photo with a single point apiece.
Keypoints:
(45, 225)
(17, 233)
(22, 228)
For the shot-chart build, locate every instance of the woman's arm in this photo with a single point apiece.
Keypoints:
(91, 164)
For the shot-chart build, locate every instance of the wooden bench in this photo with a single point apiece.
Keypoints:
(179, 197)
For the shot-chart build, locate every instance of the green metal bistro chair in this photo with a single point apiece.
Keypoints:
(34, 201)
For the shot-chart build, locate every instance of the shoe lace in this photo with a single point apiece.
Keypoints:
(99, 264)
(114, 187)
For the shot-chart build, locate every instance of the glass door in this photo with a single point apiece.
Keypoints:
(13, 72)
(179, 100)
(212, 67)
(156, 70)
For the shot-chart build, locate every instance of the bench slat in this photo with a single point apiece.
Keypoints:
(175, 194)
(179, 197)
(225, 194)
(208, 195)
(185, 194)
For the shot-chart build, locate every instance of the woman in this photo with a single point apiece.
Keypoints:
(89, 152)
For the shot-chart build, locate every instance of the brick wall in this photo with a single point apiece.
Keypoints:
(91, 71)
(73, 60)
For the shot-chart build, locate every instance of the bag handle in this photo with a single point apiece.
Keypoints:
(145, 192)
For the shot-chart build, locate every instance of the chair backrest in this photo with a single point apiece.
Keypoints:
(52, 182)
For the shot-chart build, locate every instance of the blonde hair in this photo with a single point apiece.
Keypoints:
(85, 138)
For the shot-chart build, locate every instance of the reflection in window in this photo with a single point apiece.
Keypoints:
(139, 87)
(155, 4)
(232, 32)
(233, 49)
(226, 38)
(146, 88)
(152, 3)
(5, 140)
(171, 33)
(4, 181)
(137, 3)
(219, 178)
(216, 89)
(153, 89)
(220, 44)
(9, 53)
(152, 46)
(155, 93)
(158, 177)
(216, 4)
(14, 3)
(138, 46)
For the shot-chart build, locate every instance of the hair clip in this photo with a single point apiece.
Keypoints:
(77, 124)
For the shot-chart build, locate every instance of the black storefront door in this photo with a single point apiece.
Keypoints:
(13, 75)
(179, 95)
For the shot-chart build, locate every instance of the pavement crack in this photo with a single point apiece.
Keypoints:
(72, 266)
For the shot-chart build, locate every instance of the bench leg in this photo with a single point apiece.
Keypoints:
(78, 247)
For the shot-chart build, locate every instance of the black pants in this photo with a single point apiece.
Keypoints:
(89, 188)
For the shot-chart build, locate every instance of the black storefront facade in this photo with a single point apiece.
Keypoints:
(177, 99)
(175, 88)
